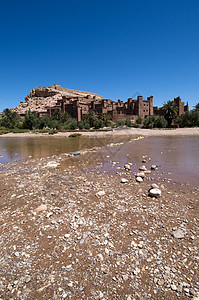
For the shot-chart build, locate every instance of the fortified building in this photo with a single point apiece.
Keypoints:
(47, 100)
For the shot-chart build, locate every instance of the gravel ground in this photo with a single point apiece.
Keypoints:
(73, 232)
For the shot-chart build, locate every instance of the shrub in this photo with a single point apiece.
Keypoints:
(81, 125)
(149, 121)
(4, 130)
(75, 134)
(19, 130)
(120, 123)
(84, 125)
(161, 122)
(73, 125)
(52, 131)
(138, 120)
(98, 124)
(128, 122)
(189, 119)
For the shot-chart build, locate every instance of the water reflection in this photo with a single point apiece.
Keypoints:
(36, 147)
(175, 155)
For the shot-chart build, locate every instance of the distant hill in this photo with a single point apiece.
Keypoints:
(42, 97)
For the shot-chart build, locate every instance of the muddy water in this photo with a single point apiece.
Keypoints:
(177, 158)
(16, 149)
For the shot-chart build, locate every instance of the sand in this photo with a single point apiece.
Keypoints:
(116, 132)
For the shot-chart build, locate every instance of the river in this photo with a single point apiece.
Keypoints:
(177, 157)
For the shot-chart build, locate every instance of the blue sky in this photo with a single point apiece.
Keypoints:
(114, 48)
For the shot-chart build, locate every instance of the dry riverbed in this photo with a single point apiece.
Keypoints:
(69, 232)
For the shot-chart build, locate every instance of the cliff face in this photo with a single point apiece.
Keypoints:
(42, 97)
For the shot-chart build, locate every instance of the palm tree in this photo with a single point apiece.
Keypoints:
(91, 117)
(170, 112)
(106, 118)
(196, 107)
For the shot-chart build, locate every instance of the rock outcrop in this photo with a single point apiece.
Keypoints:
(42, 97)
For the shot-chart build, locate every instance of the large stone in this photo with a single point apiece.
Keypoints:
(154, 192)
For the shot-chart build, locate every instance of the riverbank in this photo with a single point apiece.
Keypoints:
(116, 132)
(69, 231)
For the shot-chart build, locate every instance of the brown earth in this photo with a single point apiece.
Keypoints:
(94, 237)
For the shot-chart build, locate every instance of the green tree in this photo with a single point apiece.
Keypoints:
(170, 112)
(189, 119)
(30, 121)
(196, 107)
(10, 119)
(91, 117)
(106, 118)
(98, 124)
(160, 122)
(73, 125)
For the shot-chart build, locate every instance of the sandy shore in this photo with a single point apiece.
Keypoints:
(117, 132)
(72, 232)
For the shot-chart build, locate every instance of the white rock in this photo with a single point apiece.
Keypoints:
(124, 180)
(140, 174)
(178, 234)
(100, 256)
(139, 179)
(143, 168)
(155, 192)
(100, 193)
(42, 207)
(147, 172)
(52, 164)
(153, 167)
(127, 167)
(101, 295)
(155, 186)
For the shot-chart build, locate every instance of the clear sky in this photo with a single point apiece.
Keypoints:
(116, 48)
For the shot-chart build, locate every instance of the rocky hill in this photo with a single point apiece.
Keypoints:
(42, 97)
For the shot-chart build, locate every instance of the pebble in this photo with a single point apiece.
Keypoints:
(52, 164)
(100, 193)
(127, 167)
(153, 167)
(41, 207)
(139, 179)
(141, 174)
(178, 234)
(122, 239)
(124, 180)
(143, 168)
